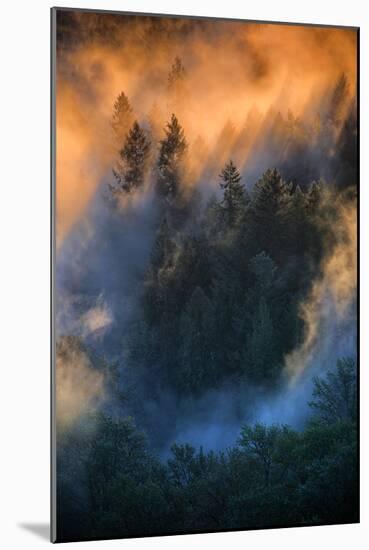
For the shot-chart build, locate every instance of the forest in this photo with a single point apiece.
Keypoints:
(206, 319)
(113, 486)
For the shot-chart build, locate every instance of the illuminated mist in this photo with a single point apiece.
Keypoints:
(206, 275)
(264, 95)
(236, 77)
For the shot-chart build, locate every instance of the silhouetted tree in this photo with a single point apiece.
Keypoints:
(176, 85)
(170, 162)
(271, 196)
(132, 166)
(122, 118)
(334, 396)
(234, 195)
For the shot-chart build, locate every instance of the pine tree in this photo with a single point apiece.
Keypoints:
(176, 84)
(314, 195)
(335, 395)
(122, 118)
(177, 73)
(270, 199)
(170, 164)
(132, 167)
(234, 197)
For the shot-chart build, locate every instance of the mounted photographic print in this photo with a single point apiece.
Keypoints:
(204, 223)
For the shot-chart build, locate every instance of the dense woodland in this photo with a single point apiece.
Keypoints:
(217, 305)
(113, 485)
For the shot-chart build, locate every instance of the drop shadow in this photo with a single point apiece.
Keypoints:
(42, 530)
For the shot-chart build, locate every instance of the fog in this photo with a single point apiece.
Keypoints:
(255, 93)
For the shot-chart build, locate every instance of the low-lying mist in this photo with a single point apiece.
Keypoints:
(265, 96)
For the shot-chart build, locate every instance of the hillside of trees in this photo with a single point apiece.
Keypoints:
(112, 485)
(216, 305)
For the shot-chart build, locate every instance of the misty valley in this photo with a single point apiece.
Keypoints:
(206, 285)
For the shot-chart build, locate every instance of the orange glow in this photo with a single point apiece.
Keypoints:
(231, 68)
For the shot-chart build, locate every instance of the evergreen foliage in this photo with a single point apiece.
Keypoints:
(273, 476)
(122, 118)
(132, 166)
(170, 162)
(217, 306)
(234, 196)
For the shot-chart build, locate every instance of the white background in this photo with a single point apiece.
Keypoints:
(24, 254)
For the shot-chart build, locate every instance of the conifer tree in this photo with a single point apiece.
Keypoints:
(334, 396)
(170, 164)
(234, 197)
(176, 84)
(122, 118)
(132, 166)
(177, 72)
(270, 201)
